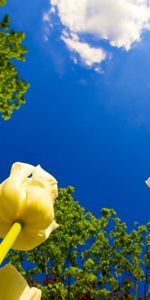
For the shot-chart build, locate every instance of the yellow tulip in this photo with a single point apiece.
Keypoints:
(14, 287)
(148, 182)
(27, 196)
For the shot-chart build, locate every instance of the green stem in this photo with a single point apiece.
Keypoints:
(9, 239)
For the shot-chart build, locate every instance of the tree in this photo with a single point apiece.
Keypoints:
(12, 87)
(88, 258)
(2, 2)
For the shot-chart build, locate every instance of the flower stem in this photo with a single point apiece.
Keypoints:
(9, 239)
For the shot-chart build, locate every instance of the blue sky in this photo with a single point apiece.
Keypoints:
(86, 123)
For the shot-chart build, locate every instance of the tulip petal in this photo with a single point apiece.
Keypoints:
(4, 228)
(21, 170)
(31, 294)
(13, 193)
(12, 197)
(30, 238)
(42, 177)
(14, 287)
(38, 212)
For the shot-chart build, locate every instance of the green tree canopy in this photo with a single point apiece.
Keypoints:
(2, 2)
(88, 258)
(12, 87)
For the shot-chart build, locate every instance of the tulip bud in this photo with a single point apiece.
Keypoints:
(148, 182)
(28, 196)
(14, 287)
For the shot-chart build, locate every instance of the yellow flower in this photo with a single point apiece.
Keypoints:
(29, 200)
(148, 182)
(14, 287)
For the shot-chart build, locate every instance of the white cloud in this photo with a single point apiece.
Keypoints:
(46, 17)
(120, 22)
(89, 55)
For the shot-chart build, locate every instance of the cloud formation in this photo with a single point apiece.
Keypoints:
(88, 54)
(119, 22)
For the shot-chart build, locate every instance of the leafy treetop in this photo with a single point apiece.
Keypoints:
(89, 258)
(2, 2)
(12, 87)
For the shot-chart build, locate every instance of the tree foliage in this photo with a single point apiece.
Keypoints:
(88, 258)
(2, 2)
(12, 87)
